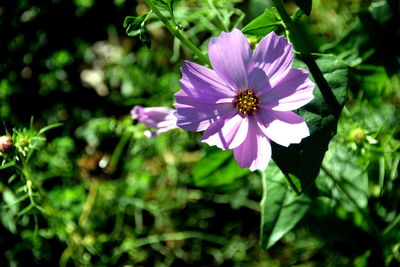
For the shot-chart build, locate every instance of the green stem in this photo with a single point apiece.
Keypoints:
(178, 34)
(323, 85)
(221, 20)
(87, 208)
(282, 11)
(326, 91)
(152, 239)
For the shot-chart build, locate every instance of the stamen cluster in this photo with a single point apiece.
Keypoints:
(246, 102)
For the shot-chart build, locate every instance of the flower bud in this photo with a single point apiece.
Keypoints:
(358, 135)
(23, 142)
(5, 143)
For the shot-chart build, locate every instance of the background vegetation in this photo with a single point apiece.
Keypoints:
(83, 186)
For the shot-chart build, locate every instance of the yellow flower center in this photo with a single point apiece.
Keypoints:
(246, 102)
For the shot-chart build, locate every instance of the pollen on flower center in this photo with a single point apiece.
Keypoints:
(246, 101)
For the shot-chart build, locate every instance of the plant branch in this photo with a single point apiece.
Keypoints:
(178, 34)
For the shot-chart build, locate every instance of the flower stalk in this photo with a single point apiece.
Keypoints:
(178, 34)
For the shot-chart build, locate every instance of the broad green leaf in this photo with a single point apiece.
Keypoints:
(346, 171)
(217, 168)
(304, 5)
(135, 26)
(280, 209)
(267, 22)
(304, 160)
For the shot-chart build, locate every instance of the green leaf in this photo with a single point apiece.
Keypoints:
(135, 26)
(304, 5)
(167, 4)
(217, 168)
(267, 22)
(346, 170)
(144, 36)
(280, 209)
(304, 160)
(49, 127)
(297, 14)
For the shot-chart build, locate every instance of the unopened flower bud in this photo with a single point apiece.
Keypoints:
(358, 135)
(5, 143)
(23, 142)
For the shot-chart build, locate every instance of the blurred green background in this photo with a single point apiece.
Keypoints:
(96, 192)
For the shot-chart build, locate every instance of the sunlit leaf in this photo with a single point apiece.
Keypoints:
(280, 209)
(135, 26)
(166, 3)
(267, 22)
(304, 160)
(217, 168)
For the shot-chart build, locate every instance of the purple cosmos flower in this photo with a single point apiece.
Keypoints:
(247, 99)
(163, 119)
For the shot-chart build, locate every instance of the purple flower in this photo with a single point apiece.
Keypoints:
(247, 99)
(162, 119)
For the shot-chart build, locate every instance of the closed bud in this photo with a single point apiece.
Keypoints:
(358, 135)
(5, 143)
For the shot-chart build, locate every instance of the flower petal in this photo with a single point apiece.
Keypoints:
(230, 55)
(274, 55)
(163, 119)
(282, 127)
(203, 84)
(227, 132)
(255, 152)
(197, 116)
(292, 92)
(259, 81)
(154, 117)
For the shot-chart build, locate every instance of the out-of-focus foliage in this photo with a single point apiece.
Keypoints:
(96, 191)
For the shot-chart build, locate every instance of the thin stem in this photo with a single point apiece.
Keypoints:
(152, 239)
(178, 34)
(212, 6)
(323, 85)
(87, 208)
(282, 11)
